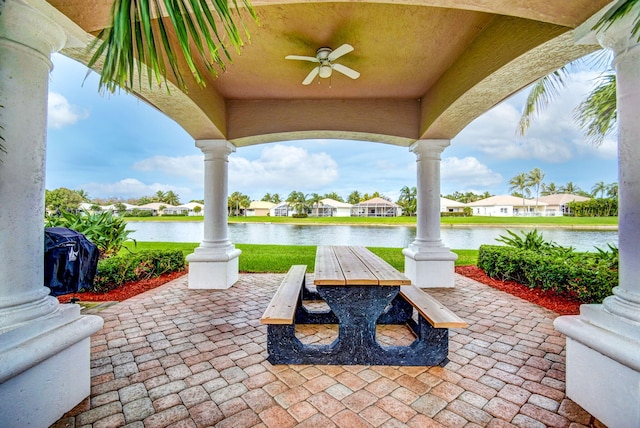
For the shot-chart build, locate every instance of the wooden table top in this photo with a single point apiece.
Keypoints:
(354, 266)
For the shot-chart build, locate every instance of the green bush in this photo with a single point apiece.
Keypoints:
(106, 230)
(116, 270)
(140, 213)
(454, 214)
(587, 276)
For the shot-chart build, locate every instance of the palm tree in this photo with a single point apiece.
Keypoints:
(570, 188)
(334, 196)
(171, 198)
(83, 194)
(266, 197)
(236, 201)
(159, 196)
(135, 36)
(519, 183)
(549, 189)
(612, 190)
(599, 187)
(298, 201)
(354, 197)
(534, 179)
(597, 114)
(314, 200)
(408, 200)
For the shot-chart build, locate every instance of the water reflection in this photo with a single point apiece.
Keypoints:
(371, 236)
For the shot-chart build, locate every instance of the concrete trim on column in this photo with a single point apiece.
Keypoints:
(603, 342)
(214, 264)
(38, 336)
(428, 263)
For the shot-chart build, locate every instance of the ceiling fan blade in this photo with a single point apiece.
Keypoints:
(302, 58)
(346, 71)
(312, 75)
(342, 50)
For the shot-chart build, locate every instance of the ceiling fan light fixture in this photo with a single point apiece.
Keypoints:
(325, 71)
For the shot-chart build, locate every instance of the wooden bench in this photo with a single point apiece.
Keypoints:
(283, 305)
(430, 308)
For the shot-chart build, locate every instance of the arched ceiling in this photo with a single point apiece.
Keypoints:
(428, 68)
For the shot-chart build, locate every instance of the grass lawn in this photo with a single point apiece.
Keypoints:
(279, 258)
(570, 222)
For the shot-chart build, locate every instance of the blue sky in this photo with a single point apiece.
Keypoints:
(115, 145)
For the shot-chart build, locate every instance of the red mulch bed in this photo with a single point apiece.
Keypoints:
(127, 290)
(562, 305)
(551, 300)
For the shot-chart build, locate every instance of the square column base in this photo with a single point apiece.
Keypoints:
(211, 270)
(47, 374)
(430, 269)
(603, 371)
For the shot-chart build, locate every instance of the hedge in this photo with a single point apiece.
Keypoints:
(116, 270)
(584, 275)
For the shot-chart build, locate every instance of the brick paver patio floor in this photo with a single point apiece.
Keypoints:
(196, 358)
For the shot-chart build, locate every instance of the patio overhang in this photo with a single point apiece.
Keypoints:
(428, 67)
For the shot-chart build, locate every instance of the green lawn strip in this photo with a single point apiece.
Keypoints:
(279, 258)
(569, 222)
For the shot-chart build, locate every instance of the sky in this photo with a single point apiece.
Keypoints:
(118, 146)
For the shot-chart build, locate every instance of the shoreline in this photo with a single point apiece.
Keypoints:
(585, 227)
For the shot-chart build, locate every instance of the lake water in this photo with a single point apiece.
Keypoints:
(371, 236)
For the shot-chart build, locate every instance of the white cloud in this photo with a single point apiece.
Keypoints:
(280, 166)
(191, 167)
(552, 137)
(61, 113)
(467, 173)
(130, 187)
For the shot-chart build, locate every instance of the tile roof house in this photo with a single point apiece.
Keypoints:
(506, 205)
(376, 207)
(557, 204)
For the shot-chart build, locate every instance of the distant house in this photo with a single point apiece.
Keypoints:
(557, 205)
(332, 208)
(376, 207)
(114, 208)
(259, 208)
(281, 210)
(185, 209)
(507, 206)
(157, 208)
(451, 206)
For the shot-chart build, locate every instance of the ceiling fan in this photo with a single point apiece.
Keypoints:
(325, 57)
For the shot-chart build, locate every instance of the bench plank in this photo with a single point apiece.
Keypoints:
(282, 308)
(354, 270)
(327, 270)
(431, 309)
(386, 274)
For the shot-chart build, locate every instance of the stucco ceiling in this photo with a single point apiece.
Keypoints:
(428, 68)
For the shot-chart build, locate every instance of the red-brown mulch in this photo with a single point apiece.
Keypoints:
(562, 305)
(551, 300)
(125, 291)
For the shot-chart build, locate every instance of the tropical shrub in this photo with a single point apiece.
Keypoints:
(116, 270)
(590, 277)
(601, 207)
(106, 230)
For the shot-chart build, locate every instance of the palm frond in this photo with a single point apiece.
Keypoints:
(615, 14)
(542, 93)
(597, 115)
(162, 34)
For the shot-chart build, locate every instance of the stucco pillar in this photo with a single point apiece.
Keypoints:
(428, 263)
(603, 342)
(44, 346)
(214, 264)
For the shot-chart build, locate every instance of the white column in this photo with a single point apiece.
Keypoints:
(428, 263)
(214, 264)
(603, 342)
(44, 346)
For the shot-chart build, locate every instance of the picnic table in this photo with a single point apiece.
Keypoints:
(361, 290)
